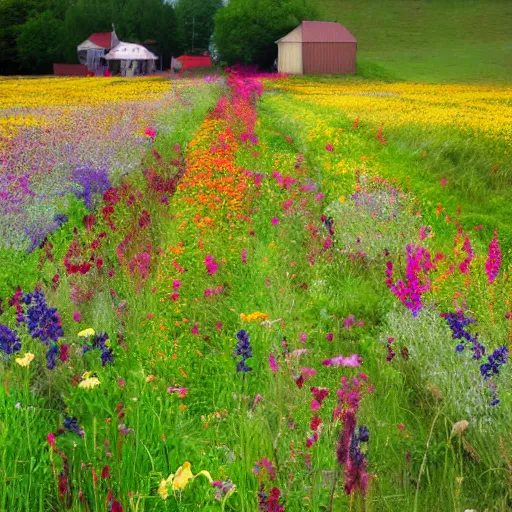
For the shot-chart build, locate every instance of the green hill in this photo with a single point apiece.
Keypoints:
(429, 40)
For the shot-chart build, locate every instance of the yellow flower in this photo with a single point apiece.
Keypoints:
(86, 333)
(257, 316)
(89, 383)
(180, 480)
(26, 359)
(342, 199)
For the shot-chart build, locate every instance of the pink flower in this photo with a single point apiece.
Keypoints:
(258, 398)
(308, 373)
(275, 221)
(272, 363)
(51, 439)
(319, 395)
(182, 392)
(493, 263)
(176, 285)
(243, 256)
(77, 316)
(329, 336)
(121, 383)
(319, 197)
(303, 338)
(150, 132)
(195, 330)
(352, 361)
(349, 321)
(443, 182)
(329, 147)
(327, 243)
(218, 326)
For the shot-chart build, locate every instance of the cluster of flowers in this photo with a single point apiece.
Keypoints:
(348, 453)
(458, 323)
(269, 502)
(97, 342)
(410, 290)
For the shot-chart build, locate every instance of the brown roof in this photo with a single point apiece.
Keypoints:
(325, 32)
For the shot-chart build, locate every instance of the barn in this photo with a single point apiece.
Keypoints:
(317, 48)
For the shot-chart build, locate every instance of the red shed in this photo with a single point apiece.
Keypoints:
(317, 48)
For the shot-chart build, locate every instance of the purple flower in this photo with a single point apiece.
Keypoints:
(493, 263)
(497, 359)
(9, 341)
(243, 349)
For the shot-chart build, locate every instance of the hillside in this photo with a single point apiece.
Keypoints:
(449, 41)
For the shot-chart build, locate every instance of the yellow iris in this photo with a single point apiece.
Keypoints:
(179, 480)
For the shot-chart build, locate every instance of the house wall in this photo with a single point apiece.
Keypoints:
(329, 58)
(289, 58)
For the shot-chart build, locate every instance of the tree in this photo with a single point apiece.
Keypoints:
(196, 23)
(246, 30)
(38, 42)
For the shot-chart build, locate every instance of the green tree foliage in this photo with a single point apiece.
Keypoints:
(196, 23)
(36, 33)
(246, 30)
(38, 42)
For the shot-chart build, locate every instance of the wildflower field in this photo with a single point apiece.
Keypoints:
(255, 293)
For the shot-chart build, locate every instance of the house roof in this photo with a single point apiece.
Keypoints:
(101, 39)
(319, 32)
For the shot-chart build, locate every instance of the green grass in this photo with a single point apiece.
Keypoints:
(304, 287)
(429, 41)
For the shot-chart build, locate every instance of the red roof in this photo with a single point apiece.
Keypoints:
(325, 32)
(102, 39)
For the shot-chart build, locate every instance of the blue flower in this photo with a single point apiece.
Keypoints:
(72, 425)
(497, 359)
(42, 322)
(243, 349)
(458, 323)
(51, 357)
(9, 341)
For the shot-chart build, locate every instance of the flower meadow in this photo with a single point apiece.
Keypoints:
(247, 302)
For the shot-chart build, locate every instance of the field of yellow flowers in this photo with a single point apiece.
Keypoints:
(293, 296)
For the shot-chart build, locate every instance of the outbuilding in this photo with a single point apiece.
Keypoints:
(317, 48)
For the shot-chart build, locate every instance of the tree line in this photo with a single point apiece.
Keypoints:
(34, 34)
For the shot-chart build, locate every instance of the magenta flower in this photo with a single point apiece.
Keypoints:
(195, 330)
(303, 338)
(493, 263)
(176, 285)
(272, 363)
(410, 290)
(243, 256)
(349, 321)
(327, 243)
(466, 247)
(319, 395)
(264, 464)
(275, 221)
(329, 147)
(77, 316)
(319, 197)
(329, 336)
(211, 265)
(352, 361)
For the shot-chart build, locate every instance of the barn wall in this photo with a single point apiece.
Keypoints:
(290, 58)
(329, 58)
